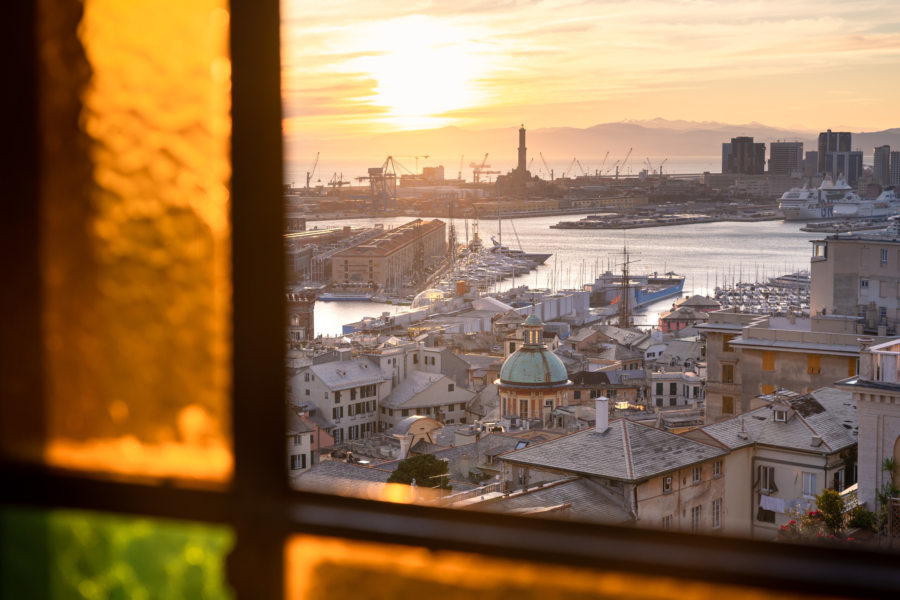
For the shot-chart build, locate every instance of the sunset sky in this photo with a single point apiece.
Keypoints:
(357, 68)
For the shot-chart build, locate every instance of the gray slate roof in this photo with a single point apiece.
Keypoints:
(296, 424)
(343, 374)
(587, 501)
(828, 412)
(627, 451)
(338, 477)
(421, 389)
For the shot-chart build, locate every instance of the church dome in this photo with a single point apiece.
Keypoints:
(533, 365)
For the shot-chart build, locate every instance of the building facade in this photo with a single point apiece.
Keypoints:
(785, 158)
(746, 157)
(781, 454)
(860, 276)
(346, 392)
(664, 480)
(881, 167)
(393, 259)
(876, 391)
(895, 168)
(830, 142)
(749, 355)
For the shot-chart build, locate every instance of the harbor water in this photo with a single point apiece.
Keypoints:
(708, 254)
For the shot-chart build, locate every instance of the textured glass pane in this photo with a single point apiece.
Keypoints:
(71, 554)
(319, 567)
(136, 252)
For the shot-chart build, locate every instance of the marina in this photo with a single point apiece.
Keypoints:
(709, 255)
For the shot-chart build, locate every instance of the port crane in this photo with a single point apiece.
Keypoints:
(549, 170)
(337, 181)
(312, 171)
(481, 169)
(624, 160)
(383, 184)
(600, 170)
(578, 162)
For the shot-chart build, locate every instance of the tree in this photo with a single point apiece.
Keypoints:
(425, 469)
(831, 505)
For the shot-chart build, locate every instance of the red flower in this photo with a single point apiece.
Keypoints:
(793, 522)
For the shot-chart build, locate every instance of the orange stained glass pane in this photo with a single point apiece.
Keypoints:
(318, 567)
(136, 251)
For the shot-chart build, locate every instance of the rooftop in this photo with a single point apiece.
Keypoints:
(343, 374)
(626, 451)
(421, 389)
(827, 413)
(577, 499)
(392, 240)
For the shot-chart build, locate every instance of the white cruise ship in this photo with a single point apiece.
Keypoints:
(808, 205)
(885, 205)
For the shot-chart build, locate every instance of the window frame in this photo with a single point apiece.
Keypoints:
(257, 503)
(808, 485)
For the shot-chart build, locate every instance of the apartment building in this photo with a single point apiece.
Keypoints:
(876, 393)
(749, 355)
(782, 453)
(674, 388)
(346, 391)
(858, 275)
(664, 480)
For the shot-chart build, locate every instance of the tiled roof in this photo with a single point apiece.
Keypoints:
(338, 477)
(297, 424)
(347, 479)
(685, 312)
(421, 389)
(828, 413)
(626, 451)
(392, 240)
(584, 500)
(697, 300)
(343, 374)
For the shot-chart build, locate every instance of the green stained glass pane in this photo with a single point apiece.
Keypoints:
(73, 554)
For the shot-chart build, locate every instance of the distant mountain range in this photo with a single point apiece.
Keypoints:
(656, 137)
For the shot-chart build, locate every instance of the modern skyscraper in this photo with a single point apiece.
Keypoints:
(785, 157)
(838, 141)
(882, 165)
(811, 163)
(747, 157)
(844, 165)
(895, 168)
(726, 156)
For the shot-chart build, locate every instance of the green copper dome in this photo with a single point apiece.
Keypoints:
(533, 319)
(533, 366)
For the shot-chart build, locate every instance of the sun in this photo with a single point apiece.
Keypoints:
(424, 69)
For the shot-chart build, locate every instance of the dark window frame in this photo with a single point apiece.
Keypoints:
(257, 503)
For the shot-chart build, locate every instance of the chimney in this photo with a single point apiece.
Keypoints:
(602, 417)
(865, 358)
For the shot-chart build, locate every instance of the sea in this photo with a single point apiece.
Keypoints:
(707, 254)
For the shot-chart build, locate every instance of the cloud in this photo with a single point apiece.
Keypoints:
(534, 56)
